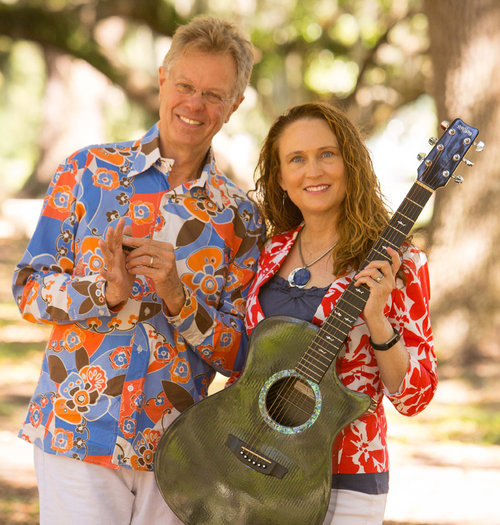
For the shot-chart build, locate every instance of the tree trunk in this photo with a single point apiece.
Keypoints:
(72, 116)
(464, 236)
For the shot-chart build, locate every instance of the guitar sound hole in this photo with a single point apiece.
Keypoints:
(290, 402)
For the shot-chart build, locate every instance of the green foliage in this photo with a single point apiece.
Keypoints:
(368, 56)
(21, 89)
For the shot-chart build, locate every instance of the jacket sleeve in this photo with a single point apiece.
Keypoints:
(47, 286)
(217, 332)
(409, 311)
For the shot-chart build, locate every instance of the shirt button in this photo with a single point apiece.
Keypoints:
(130, 388)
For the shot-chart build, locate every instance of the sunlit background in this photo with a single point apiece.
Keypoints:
(82, 72)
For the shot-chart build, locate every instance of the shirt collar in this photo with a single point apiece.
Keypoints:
(146, 151)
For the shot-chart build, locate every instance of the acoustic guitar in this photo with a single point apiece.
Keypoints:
(259, 452)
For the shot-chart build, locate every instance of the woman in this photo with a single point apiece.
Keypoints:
(323, 206)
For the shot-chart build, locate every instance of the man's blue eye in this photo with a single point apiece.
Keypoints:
(184, 88)
(213, 98)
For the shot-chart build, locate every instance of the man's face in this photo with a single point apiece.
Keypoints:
(196, 99)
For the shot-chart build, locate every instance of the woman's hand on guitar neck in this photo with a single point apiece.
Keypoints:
(380, 277)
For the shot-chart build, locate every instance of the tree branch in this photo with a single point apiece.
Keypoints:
(71, 30)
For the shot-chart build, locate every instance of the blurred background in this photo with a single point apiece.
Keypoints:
(81, 72)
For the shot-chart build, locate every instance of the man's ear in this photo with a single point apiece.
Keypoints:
(162, 76)
(234, 107)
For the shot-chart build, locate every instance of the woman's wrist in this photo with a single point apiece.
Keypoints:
(389, 343)
(379, 329)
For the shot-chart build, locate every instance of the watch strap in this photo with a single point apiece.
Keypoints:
(388, 344)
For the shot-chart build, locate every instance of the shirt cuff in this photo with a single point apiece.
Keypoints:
(186, 310)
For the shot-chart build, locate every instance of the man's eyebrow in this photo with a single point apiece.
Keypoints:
(186, 80)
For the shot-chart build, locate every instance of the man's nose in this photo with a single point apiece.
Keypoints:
(196, 98)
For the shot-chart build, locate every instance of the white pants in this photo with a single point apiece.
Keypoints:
(348, 507)
(78, 493)
(73, 492)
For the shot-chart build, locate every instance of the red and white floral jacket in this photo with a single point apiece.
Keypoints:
(362, 446)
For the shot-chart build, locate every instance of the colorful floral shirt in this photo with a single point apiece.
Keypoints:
(111, 381)
(361, 447)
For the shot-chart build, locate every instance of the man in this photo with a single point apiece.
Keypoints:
(137, 338)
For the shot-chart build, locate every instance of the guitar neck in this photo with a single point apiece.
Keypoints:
(327, 344)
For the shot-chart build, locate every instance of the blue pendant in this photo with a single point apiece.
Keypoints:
(299, 277)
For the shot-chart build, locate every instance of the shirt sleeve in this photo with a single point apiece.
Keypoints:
(410, 313)
(217, 332)
(47, 285)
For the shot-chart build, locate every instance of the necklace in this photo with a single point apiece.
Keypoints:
(299, 277)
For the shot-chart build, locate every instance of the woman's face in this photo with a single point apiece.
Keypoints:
(311, 167)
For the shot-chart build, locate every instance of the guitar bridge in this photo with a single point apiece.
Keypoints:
(255, 459)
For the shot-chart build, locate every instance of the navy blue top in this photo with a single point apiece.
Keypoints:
(277, 297)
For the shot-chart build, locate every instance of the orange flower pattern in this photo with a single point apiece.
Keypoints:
(93, 401)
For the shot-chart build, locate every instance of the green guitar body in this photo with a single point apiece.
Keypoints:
(285, 478)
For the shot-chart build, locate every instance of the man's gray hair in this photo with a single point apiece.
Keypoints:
(213, 35)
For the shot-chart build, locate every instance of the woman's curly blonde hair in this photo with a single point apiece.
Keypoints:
(364, 211)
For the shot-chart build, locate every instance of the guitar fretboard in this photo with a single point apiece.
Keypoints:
(328, 342)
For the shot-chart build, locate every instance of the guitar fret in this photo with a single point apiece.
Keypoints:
(403, 215)
(410, 213)
(387, 241)
(343, 316)
(311, 366)
(329, 338)
(416, 203)
(401, 232)
(384, 255)
(308, 374)
(323, 357)
(356, 300)
(322, 361)
(316, 358)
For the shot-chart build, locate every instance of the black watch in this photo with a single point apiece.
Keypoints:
(388, 344)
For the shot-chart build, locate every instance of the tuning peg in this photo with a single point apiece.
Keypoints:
(467, 162)
(457, 178)
(433, 141)
(479, 145)
(421, 156)
(445, 124)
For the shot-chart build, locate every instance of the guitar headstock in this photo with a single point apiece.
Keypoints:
(440, 163)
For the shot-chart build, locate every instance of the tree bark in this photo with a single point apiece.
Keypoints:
(72, 115)
(464, 236)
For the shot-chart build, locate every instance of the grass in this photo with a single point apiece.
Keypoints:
(18, 505)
